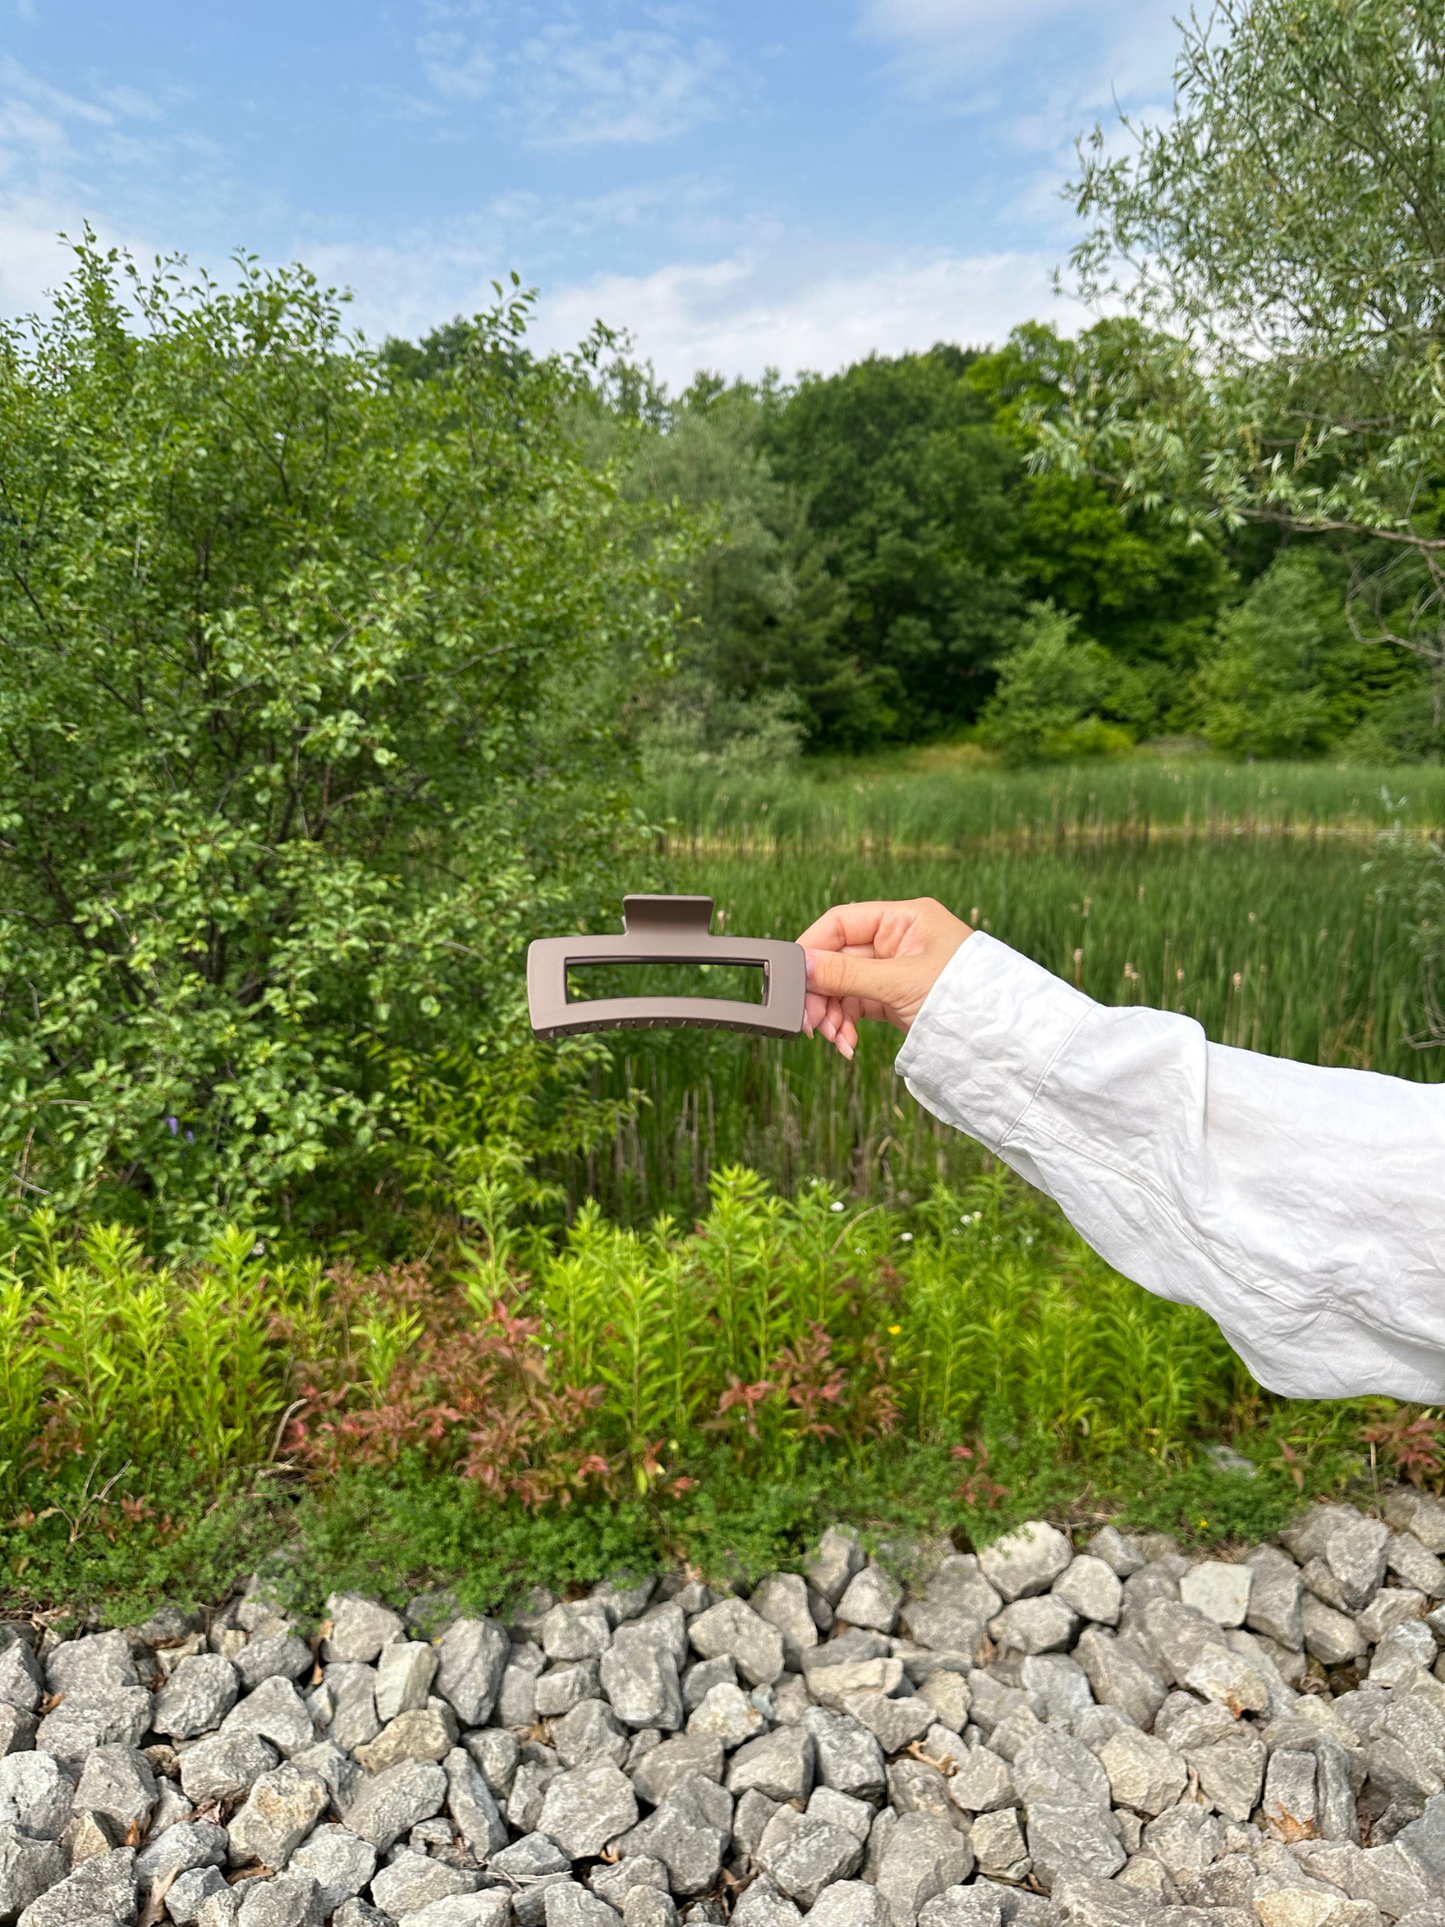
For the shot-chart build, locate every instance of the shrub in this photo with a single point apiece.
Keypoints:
(1054, 693)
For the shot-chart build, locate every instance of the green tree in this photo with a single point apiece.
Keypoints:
(1059, 695)
(308, 677)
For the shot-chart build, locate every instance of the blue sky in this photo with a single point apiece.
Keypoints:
(740, 185)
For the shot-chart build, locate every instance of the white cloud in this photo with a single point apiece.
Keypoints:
(740, 315)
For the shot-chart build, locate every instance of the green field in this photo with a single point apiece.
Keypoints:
(1253, 898)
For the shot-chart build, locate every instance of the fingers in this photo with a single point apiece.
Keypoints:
(841, 974)
(846, 925)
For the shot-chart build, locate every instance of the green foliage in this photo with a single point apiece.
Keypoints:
(308, 677)
(1054, 690)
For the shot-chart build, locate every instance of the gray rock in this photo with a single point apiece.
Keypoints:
(338, 1860)
(646, 1907)
(223, 1909)
(802, 1856)
(290, 1900)
(1090, 1586)
(780, 1765)
(613, 1881)
(1071, 1837)
(1230, 1772)
(86, 1719)
(1319, 1579)
(587, 1807)
(837, 1557)
(846, 1755)
(915, 1786)
(187, 1845)
(338, 1773)
(1145, 1775)
(275, 1653)
(871, 1599)
(1409, 1561)
(666, 1766)
(1218, 1590)
(1289, 1795)
(99, 1663)
(17, 1730)
(1060, 1682)
(1117, 1551)
(529, 1789)
(923, 1857)
(529, 1858)
(1054, 1764)
(763, 1906)
(688, 1833)
(1401, 1653)
(700, 1678)
(428, 1734)
(116, 1781)
(1355, 1552)
(280, 1810)
(352, 1687)
(850, 1903)
(359, 1628)
(104, 1885)
(196, 1698)
(558, 1690)
(1120, 1675)
(948, 1697)
(516, 1702)
(404, 1673)
(1176, 1634)
(729, 1715)
(999, 1846)
(942, 1627)
(589, 1733)
(663, 1626)
(1330, 1636)
(223, 1766)
(735, 1629)
(87, 1834)
(22, 1683)
(472, 1658)
(642, 1684)
(411, 1881)
(28, 1868)
(277, 1712)
(1025, 1561)
(973, 1906)
(894, 1723)
(580, 1630)
(1087, 1901)
(471, 1805)
(982, 1783)
(782, 1599)
(190, 1891)
(497, 1756)
(835, 1685)
(1222, 1675)
(839, 1810)
(1420, 1513)
(1035, 1625)
(35, 1795)
(490, 1909)
(1391, 1606)
(351, 1913)
(569, 1905)
(392, 1803)
(1274, 1602)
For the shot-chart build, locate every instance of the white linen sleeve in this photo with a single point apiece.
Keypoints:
(1302, 1207)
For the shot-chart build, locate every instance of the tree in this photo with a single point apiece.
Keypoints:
(308, 671)
(1059, 695)
(1281, 244)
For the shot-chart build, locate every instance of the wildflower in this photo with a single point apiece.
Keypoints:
(893, 1330)
(836, 1205)
(905, 1237)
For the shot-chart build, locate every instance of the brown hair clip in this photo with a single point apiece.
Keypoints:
(666, 930)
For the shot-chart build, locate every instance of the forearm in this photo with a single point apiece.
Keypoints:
(1301, 1207)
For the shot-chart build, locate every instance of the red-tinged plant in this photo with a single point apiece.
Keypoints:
(1412, 1443)
(979, 1488)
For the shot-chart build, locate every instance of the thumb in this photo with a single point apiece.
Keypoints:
(836, 975)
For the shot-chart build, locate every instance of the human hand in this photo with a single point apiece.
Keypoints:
(875, 960)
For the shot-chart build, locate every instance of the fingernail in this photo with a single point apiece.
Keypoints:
(809, 955)
(846, 1048)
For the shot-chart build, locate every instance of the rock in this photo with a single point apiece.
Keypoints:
(529, 1789)
(22, 1683)
(1355, 1550)
(688, 1833)
(1319, 1578)
(1419, 1513)
(1090, 1586)
(277, 1712)
(351, 1913)
(1035, 1625)
(805, 1855)
(1274, 1602)
(497, 1756)
(424, 1735)
(1401, 1652)
(735, 1629)
(196, 1698)
(470, 1803)
(1144, 1774)
(613, 1881)
(555, 1693)
(589, 1734)
(839, 1810)
(700, 1678)
(763, 1906)
(894, 1723)
(28, 1868)
(352, 1687)
(529, 1858)
(222, 1766)
(281, 1809)
(1391, 1606)
(1054, 1764)
(1408, 1559)
(516, 1703)
(1185, 1839)
(999, 1846)
(223, 1909)
(948, 1697)
(187, 1845)
(663, 1627)
(850, 1903)
(1230, 1772)
(1289, 1795)
(1329, 1636)
(1221, 1675)
(87, 1834)
(835, 1685)
(404, 1673)
(274, 1654)
(290, 1900)
(846, 1757)
(646, 1907)
(338, 1860)
(837, 1557)
(1025, 1561)
(35, 1795)
(780, 1765)
(1218, 1590)
(1060, 1682)
(85, 1719)
(392, 1803)
(472, 1657)
(490, 1909)
(190, 1891)
(916, 1786)
(338, 1773)
(100, 1663)
(580, 1630)
(668, 1765)
(359, 1628)
(17, 1730)
(102, 1886)
(1119, 1675)
(782, 1599)
(568, 1905)
(982, 1783)
(943, 1628)
(623, 1598)
(411, 1881)
(642, 1684)
(116, 1781)
(871, 1599)
(1117, 1551)
(586, 1807)
(1070, 1836)
(729, 1715)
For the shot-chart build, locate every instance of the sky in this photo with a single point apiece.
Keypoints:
(737, 184)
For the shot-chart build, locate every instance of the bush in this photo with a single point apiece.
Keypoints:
(1051, 691)
(308, 677)
(1260, 693)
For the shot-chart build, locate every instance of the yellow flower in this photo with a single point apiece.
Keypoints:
(895, 1329)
